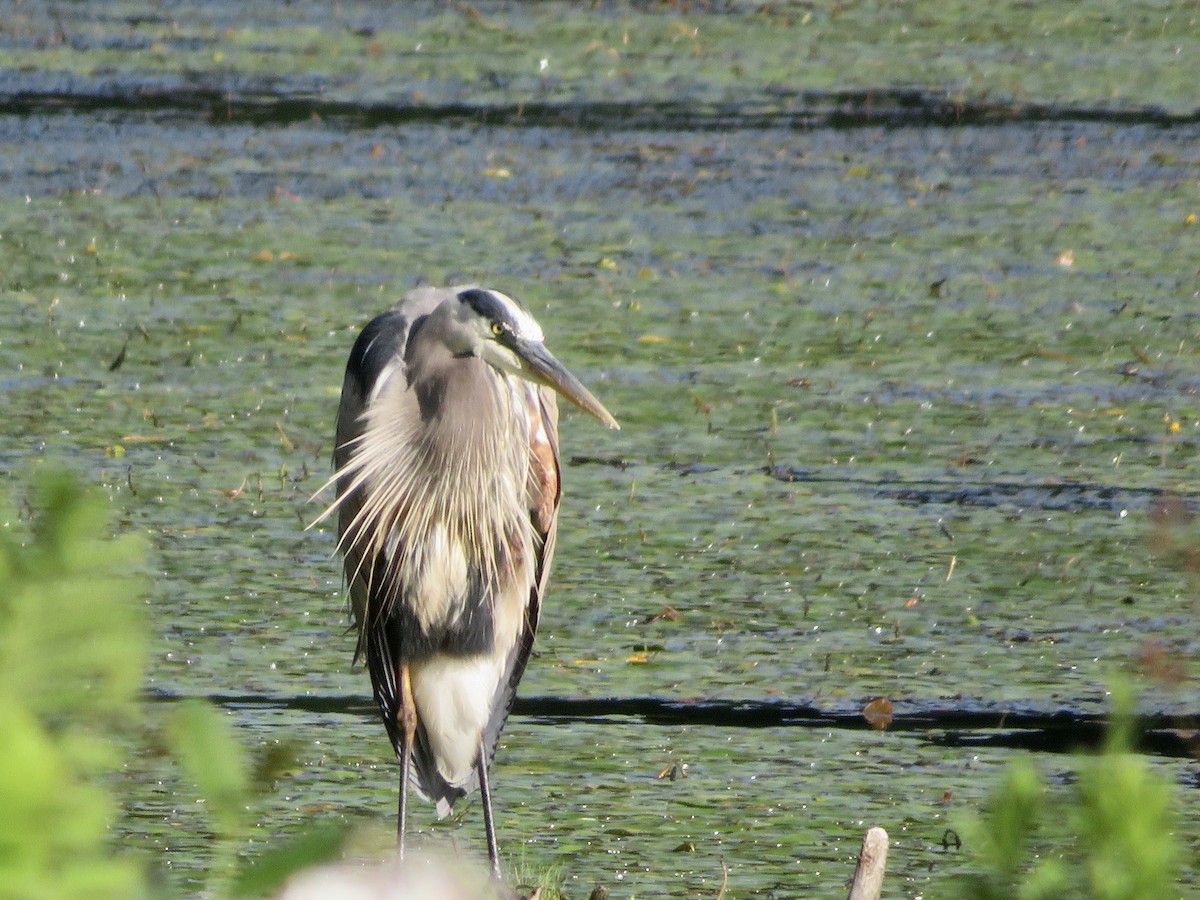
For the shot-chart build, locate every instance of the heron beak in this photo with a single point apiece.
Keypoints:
(541, 366)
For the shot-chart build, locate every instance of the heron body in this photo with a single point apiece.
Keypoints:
(448, 488)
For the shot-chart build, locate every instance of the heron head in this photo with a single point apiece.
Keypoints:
(500, 331)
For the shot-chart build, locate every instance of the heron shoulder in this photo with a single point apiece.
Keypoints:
(379, 346)
(382, 345)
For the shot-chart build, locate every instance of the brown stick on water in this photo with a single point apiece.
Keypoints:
(868, 874)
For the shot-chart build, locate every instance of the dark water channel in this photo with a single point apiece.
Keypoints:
(908, 388)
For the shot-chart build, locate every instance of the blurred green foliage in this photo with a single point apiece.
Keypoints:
(71, 662)
(1112, 836)
(230, 779)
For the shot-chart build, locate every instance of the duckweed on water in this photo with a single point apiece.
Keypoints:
(851, 365)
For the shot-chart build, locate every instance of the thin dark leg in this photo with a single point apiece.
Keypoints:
(407, 714)
(485, 792)
(402, 811)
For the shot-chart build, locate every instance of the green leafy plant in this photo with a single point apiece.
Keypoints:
(229, 780)
(72, 661)
(1116, 825)
(71, 650)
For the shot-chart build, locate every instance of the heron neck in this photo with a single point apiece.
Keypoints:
(466, 406)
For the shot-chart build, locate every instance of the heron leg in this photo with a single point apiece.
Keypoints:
(407, 714)
(485, 792)
(401, 812)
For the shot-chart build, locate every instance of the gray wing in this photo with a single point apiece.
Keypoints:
(378, 352)
(377, 357)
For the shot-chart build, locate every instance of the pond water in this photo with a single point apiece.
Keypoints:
(908, 411)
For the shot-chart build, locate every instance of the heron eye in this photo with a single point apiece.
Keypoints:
(497, 329)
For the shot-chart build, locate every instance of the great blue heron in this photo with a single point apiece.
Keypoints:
(447, 498)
